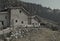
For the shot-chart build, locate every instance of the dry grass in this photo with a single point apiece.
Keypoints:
(42, 34)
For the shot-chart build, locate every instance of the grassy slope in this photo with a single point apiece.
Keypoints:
(42, 34)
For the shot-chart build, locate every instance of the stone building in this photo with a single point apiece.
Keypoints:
(4, 19)
(16, 16)
(35, 20)
(19, 16)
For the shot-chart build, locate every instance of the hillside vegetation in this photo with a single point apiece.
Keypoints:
(39, 34)
(45, 12)
(33, 9)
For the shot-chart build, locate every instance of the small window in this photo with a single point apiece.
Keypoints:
(32, 23)
(5, 17)
(36, 23)
(16, 21)
(2, 23)
(22, 22)
(20, 11)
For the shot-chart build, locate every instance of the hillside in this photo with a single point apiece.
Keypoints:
(47, 31)
(36, 9)
(39, 34)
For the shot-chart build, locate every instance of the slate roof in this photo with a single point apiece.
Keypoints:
(23, 9)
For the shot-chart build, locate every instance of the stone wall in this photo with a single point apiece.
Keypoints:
(18, 17)
(4, 19)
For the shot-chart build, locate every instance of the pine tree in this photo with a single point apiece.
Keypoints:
(7, 3)
(11, 3)
(2, 4)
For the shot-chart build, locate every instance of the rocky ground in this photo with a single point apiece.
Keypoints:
(38, 34)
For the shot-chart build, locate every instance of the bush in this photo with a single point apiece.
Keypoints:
(54, 28)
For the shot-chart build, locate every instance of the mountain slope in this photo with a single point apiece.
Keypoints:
(36, 9)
